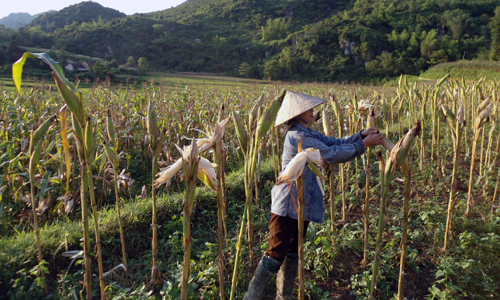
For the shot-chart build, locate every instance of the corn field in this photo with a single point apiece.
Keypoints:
(146, 240)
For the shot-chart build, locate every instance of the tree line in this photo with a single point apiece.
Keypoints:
(361, 40)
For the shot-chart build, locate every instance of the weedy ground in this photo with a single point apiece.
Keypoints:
(468, 270)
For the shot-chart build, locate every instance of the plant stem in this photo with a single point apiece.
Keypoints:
(300, 196)
(470, 198)
(118, 210)
(90, 184)
(406, 211)
(186, 227)
(156, 275)
(238, 252)
(366, 210)
(86, 244)
(220, 214)
(451, 202)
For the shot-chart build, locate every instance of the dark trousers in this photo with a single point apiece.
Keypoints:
(284, 236)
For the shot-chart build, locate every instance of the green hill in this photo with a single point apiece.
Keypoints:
(84, 12)
(347, 40)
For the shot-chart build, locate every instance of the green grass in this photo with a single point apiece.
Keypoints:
(468, 69)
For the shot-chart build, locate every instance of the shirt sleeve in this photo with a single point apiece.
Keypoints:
(335, 150)
(331, 141)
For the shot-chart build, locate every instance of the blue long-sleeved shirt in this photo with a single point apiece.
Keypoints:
(333, 150)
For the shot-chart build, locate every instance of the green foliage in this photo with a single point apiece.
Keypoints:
(142, 64)
(495, 36)
(276, 29)
(86, 12)
(130, 62)
(342, 41)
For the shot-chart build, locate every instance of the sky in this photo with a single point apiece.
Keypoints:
(125, 6)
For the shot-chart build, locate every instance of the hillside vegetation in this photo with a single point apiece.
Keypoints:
(346, 40)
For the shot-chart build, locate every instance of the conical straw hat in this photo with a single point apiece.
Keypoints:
(295, 104)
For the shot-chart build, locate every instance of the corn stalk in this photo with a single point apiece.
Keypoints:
(35, 149)
(156, 146)
(397, 157)
(370, 122)
(219, 159)
(259, 121)
(482, 114)
(189, 165)
(327, 128)
(340, 118)
(111, 148)
(86, 151)
(406, 212)
(456, 124)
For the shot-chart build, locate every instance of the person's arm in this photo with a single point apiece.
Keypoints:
(338, 152)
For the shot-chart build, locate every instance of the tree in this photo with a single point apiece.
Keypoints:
(272, 70)
(429, 43)
(456, 20)
(495, 36)
(276, 29)
(142, 63)
(130, 62)
(383, 65)
(100, 69)
(245, 70)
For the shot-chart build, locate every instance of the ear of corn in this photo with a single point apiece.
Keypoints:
(241, 132)
(41, 131)
(483, 115)
(71, 99)
(167, 174)
(295, 167)
(400, 151)
(111, 155)
(217, 133)
(370, 120)
(338, 113)
(254, 113)
(90, 147)
(315, 169)
(267, 118)
(327, 127)
(65, 143)
(110, 129)
(206, 173)
(387, 144)
(34, 159)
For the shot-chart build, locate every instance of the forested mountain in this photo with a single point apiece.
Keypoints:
(278, 39)
(18, 20)
(85, 12)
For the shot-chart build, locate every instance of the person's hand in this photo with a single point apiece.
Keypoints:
(373, 139)
(368, 131)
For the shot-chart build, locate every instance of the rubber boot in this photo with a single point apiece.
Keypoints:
(285, 280)
(266, 268)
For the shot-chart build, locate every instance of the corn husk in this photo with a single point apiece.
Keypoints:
(206, 143)
(327, 127)
(295, 167)
(268, 117)
(483, 115)
(167, 174)
(400, 151)
(387, 144)
(205, 171)
(110, 129)
(254, 114)
(40, 132)
(241, 132)
(90, 146)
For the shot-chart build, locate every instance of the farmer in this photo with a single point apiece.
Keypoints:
(282, 256)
